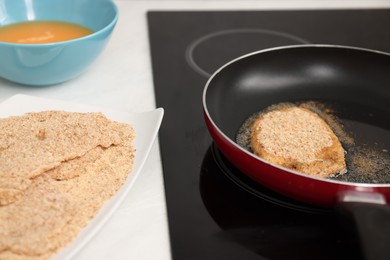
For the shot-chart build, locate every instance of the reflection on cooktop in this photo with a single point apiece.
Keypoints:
(209, 52)
(266, 228)
(252, 187)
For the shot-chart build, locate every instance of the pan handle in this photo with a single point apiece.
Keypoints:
(371, 217)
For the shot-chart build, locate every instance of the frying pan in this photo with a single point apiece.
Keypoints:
(355, 81)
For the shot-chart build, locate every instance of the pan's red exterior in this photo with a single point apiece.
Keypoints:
(311, 72)
(353, 78)
(314, 191)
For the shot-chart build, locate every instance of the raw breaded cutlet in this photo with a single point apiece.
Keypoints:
(37, 142)
(298, 139)
(57, 169)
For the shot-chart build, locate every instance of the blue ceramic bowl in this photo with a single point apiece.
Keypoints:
(52, 63)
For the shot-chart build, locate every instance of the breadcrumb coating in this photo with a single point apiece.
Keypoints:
(57, 169)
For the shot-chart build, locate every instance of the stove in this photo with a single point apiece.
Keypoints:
(214, 210)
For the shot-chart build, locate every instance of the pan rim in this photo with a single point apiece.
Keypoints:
(330, 46)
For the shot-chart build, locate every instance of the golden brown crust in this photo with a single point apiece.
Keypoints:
(298, 139)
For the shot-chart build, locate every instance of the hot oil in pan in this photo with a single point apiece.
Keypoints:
(363, 131)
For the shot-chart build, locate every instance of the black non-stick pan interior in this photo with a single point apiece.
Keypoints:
(355, 83)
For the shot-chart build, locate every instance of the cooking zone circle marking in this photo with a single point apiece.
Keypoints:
(248, 39)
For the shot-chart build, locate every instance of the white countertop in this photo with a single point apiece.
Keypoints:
(121, 79)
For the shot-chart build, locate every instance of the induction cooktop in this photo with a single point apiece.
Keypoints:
(215, 211)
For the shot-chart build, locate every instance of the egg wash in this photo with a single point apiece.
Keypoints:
(38, 32)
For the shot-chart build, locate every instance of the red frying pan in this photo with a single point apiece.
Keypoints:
(355, 82)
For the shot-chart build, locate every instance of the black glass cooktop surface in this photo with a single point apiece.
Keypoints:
(214, 211)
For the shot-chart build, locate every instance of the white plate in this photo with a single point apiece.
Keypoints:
(146, 126)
